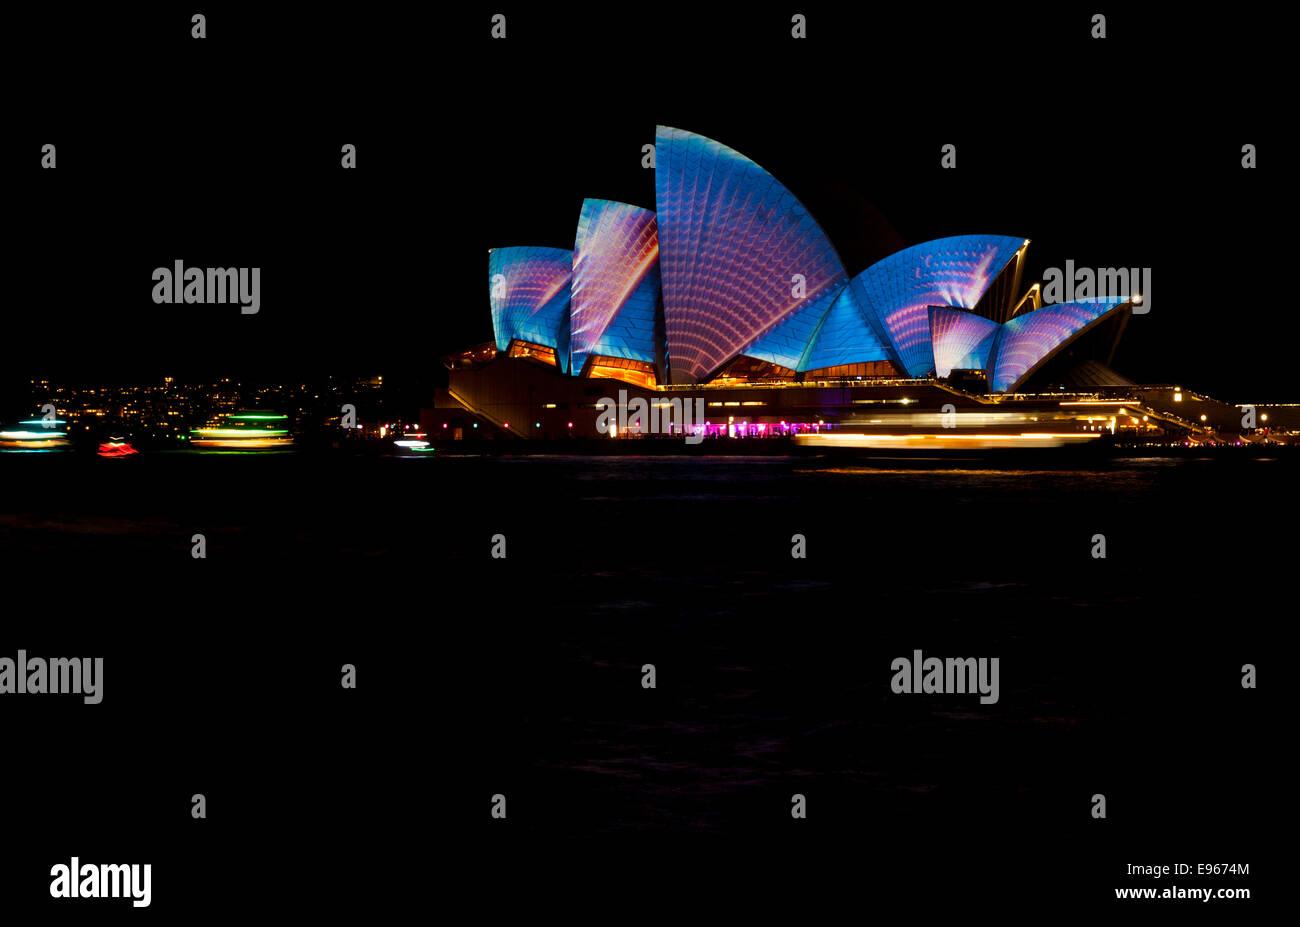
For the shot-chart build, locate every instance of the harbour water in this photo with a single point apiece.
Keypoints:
(522, 675)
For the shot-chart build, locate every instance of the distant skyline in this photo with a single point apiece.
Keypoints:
(407, 393)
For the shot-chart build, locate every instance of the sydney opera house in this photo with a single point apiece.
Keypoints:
(730, 293)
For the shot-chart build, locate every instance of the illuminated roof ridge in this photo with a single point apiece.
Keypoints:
(731, 240)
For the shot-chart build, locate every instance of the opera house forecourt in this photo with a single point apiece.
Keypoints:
(727, 312)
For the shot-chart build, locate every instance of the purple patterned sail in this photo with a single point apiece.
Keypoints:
(1026, 341)
(961, 340)
(529, 291)
(615, 283)
(738, 253)
(899, 290)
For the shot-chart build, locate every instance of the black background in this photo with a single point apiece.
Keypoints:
(1116, 153)
(1122, 152)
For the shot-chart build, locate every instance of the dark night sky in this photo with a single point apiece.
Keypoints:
(1080, 145)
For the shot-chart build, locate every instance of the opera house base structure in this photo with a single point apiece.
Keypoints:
(726, 314)
(522, 399)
